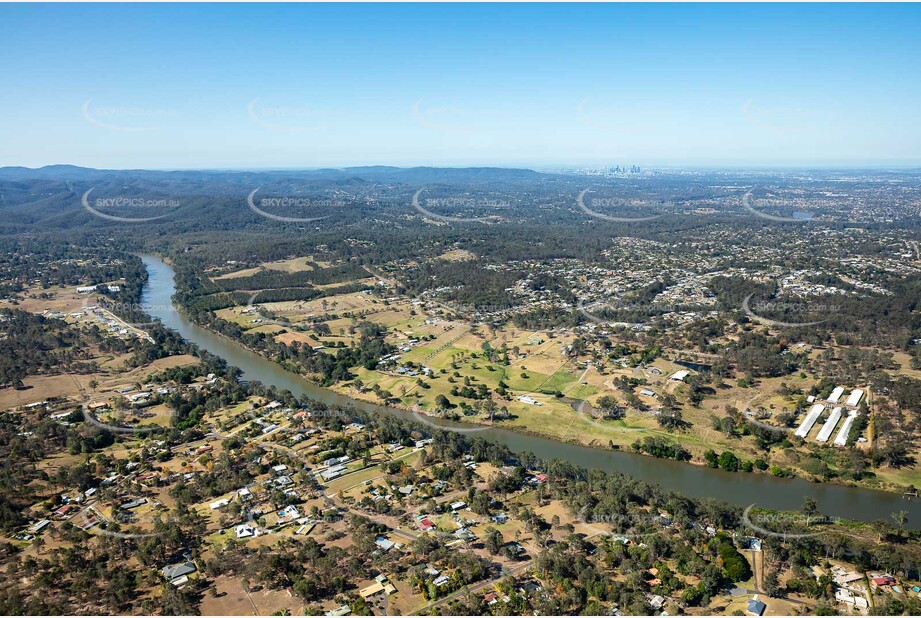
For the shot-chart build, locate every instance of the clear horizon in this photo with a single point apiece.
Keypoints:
(537, 168)
(238, 87)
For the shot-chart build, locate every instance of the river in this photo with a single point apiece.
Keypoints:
(736, 488)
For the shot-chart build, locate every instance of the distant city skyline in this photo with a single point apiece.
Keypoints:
(539, 86)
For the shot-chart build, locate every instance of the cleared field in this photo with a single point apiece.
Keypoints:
(539, 366)
(457, 255)
(354, 482)
(39, 388)
(290, 265)
(902, 476)
(290, 337)
(297, 311)
(76, 386)
(559, 381)
(557, 419)
(63, 299)
(904, 362)
(268, 329)
(364, 281)
(153, 415)
(245, 272)
(228, 598)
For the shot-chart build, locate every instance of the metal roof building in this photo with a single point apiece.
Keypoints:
(810, 420)
(830, 424)
(854, 398)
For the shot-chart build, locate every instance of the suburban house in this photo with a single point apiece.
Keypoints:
(756, 607)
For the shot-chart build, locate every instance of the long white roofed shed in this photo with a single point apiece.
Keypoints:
(810, 420)
(854, 398)
(841, 439)
(829, 425)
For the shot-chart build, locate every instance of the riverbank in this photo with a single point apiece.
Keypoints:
(558, 420)
(696, 481)
(443, 366)
(618, 438)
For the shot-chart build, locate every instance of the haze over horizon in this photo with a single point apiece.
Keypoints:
(236, 87)
(550, 168)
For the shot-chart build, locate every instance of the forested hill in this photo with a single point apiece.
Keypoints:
(376, 173)
(56, 197)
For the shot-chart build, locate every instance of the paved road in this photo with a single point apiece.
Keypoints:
(328, 499)
(474, 588)
(479, 586)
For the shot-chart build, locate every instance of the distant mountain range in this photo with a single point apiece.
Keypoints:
(51, 197)
(375, 173)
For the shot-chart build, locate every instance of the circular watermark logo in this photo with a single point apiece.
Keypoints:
(751, 420)
(624, 119)
(800, 307)
(288, 203)
(591, 310)
(253, 309)
(421, 418)
(120, 429)
(273, 428)
(284, 450)
(785, 119)
(91, 518)
(467, 203)
(625, 526)
(109, 313)
(786, 524)
(609, 203)
(468, 311)
(127, 204)
(799, 217)
(588, 413)
(583, 308)
(125, 119)
(285, 119)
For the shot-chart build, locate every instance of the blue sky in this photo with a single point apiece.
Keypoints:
(289, 86)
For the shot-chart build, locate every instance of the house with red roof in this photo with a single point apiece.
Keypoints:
(884, 580)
